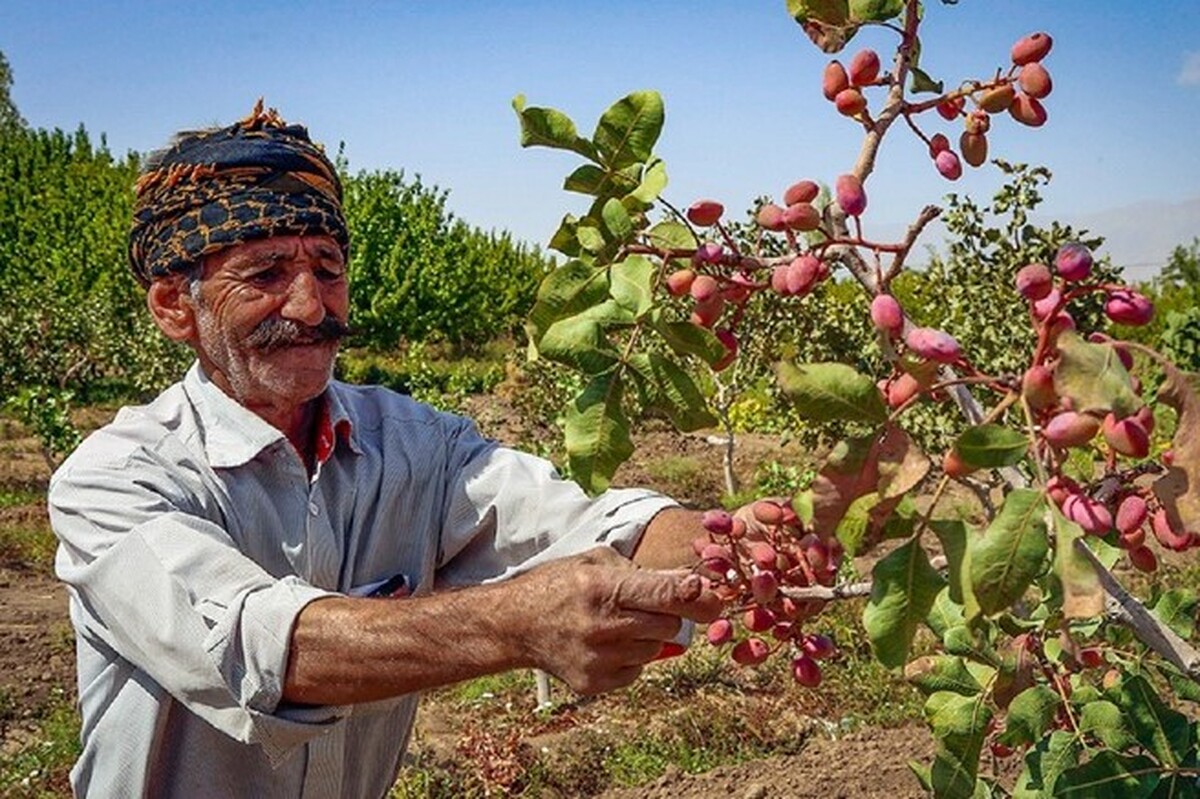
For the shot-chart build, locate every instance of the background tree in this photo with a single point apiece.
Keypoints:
(10, 118)
(418, 273)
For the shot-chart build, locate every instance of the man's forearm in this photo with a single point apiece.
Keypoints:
(592, 619)
(667, 540)
(359, 650)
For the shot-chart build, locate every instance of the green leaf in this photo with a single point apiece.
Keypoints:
(921, 772)
(1011, 553)
(921, 83)
(568, 322)
(546, 127)
(1184, 687)
(934, 673)
(564, 239)
(991, 446)
(1083, 693)
(1105, 720)
(654, 180)
(579, 342)
(875, 10)
(872, 518)
(902, 594)
(851, 529)
(1109, 775)
(628, 130)
(953, 536)
(960, 640)
(1161, 730)
(944, 614)
(826, 392)
(590, 237)
(831, 12)
(1082, 594)
(570, 290)
(670, 235)
(970, 602)
(591, 179)
(960, 725)
(1044, 762)
(1176, 608)
(1029, 714)
(902, 521)
(616, 220)
(802, 503)
(685, 338)
(597, 433)
(1176, 785)
(668, 388)
(1094, 378)
(632, 284)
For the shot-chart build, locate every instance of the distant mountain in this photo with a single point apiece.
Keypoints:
(1140, 237)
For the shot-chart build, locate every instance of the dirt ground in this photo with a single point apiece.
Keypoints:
(36, 660)
(36, 651)
(868, 764)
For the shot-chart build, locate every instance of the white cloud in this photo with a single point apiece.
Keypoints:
(1190, 74)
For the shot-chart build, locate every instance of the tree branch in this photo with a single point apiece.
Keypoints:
(1123, 607)
(927, 215)
(844, 590)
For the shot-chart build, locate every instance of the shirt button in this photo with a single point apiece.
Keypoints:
(313, 509)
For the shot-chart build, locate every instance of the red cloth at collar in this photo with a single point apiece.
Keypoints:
(327, 434)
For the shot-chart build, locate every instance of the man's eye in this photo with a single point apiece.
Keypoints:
(265, 276)
(329, 275)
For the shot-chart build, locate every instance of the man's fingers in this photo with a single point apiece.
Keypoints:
(675, 593)
(755, 529)
(642, 625)
(618, 678)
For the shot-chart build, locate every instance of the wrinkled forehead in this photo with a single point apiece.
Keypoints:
(272, 250)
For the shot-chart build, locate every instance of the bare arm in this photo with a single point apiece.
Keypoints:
(593, 620)
(667, 540)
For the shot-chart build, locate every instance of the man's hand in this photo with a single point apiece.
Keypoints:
(595, 619)
(755, 530)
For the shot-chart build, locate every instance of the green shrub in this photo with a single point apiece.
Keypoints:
(442, 382)
(417, 273)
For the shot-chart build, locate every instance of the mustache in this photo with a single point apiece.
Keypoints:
(276, 333)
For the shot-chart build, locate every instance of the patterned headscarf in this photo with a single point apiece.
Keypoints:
(256, 178)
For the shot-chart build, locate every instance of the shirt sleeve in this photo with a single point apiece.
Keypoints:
(509, 511)
(155, 577)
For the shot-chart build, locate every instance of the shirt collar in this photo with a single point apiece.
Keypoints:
(234, 435)
(335, 420)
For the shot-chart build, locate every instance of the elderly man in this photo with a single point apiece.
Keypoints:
(235, 549)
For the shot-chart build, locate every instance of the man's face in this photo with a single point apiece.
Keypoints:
(267, 316)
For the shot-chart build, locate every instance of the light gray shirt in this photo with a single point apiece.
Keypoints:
(191, 535)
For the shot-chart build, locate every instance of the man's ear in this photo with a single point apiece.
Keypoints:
(174, 311)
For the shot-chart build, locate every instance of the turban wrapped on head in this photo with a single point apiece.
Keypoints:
(256, 178)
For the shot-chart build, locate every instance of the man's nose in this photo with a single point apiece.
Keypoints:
(304, 303)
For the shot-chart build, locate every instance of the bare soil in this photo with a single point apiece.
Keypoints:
(868, 764)
(36, 654)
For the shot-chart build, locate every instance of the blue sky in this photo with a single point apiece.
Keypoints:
(426, 87)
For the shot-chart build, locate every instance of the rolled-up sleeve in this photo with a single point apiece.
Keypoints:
(159, 581)
(509, 511)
